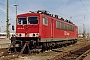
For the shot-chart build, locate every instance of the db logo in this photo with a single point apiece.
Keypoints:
(66, 33)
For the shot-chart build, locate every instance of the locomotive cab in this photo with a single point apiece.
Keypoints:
(27, 27)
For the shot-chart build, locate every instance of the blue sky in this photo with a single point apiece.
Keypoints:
(77, 9)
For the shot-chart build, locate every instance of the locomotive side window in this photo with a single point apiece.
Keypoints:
(60, 25)
(67, 27)
(63, 26)
(33, 20)
(57, 25)
(72, 28)
(45, 21)
(22, 20)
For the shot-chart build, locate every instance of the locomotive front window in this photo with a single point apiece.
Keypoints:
(33, 20)
(22, 20)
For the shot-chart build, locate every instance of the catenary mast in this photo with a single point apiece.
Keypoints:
(7, 20)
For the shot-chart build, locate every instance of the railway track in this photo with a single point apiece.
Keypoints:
(81, 57)
(77, 53)
(68, 53)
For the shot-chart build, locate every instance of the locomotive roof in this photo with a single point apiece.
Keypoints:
(47, 13)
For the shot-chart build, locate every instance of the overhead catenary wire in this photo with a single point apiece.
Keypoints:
(35, 2)
(48, 7)
(2, 3)
(68, 17)
(85, 7)
(11, 6)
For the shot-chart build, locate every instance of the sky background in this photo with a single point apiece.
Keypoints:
(77, 11)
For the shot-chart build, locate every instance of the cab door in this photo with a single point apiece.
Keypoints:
(51, 26)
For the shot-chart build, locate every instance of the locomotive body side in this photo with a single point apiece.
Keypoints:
(53, 29)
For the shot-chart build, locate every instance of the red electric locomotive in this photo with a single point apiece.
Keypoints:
(44, 29)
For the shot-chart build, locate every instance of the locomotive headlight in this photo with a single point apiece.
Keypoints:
(37, 35)
(20, 35)
(34, 35)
